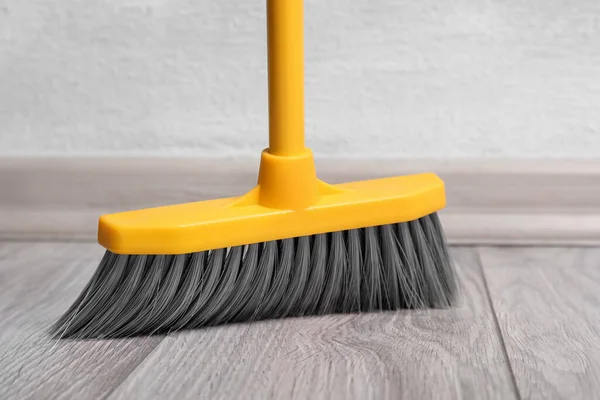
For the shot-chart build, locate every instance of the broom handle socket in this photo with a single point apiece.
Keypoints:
(285, 34)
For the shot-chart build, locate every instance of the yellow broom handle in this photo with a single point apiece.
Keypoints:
(285, 33)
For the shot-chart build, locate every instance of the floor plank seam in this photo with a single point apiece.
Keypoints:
(511, 372)
(125, 377)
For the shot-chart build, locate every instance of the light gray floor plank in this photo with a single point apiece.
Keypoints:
(436, 354)
(38, 281)
(548, 305)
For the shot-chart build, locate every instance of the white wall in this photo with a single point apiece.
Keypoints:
(427, 78)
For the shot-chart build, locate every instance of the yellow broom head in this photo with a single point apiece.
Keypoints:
(288, 201)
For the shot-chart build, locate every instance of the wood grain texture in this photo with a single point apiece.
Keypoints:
(544, 201)
(547, 301)
(434, 354)
(38, 281)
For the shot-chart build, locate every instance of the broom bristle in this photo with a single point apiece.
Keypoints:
(388, 267)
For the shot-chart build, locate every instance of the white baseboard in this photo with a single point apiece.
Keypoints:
(489, 202)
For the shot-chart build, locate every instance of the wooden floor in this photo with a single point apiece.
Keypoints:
(528, 328)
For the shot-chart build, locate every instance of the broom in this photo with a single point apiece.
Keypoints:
(292, 246)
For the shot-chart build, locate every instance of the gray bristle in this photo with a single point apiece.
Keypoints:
(389, 267)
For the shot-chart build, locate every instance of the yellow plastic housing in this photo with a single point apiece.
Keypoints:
(289, 200)
(274, 209)
(213, 224)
